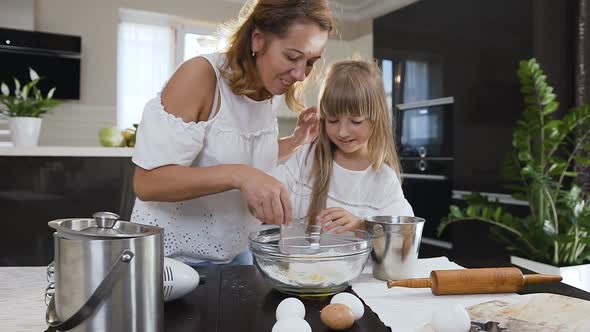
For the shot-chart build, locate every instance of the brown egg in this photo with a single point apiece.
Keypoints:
(337, 316)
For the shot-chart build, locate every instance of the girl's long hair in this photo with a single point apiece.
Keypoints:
(354, 88)
(274, 17)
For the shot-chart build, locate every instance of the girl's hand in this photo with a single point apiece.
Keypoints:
(267, 198)
(308, 124)
(333, 217)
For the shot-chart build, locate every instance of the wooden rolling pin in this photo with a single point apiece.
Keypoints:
(475, 281)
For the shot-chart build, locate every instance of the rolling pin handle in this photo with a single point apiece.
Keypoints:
(410, 283)
(540, 278)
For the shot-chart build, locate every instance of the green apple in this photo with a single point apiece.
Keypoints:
(110, 137)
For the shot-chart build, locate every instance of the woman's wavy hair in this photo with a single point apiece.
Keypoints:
(274, 17)
(355, 88)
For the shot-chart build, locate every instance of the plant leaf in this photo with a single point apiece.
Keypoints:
(50, 93)
(25, 92)
(5, 89)
(582, 160)
(16, 87)
(33, 74)
(456, 212)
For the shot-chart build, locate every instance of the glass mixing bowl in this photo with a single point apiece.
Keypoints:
(305, 261)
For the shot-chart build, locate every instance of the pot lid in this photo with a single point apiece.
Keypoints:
(102, 225)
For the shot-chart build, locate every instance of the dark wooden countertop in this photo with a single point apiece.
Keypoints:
(236, 298)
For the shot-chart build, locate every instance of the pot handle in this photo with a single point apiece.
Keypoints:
(100, 293)
(380, 241)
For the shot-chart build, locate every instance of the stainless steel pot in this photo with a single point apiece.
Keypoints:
(108, 276)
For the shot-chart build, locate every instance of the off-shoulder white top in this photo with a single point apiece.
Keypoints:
(243, 131)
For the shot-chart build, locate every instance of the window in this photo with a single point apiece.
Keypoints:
(387, 72)
(195, 40)
(416, 81)
(145, 61)
(412, 78)
(150, 47)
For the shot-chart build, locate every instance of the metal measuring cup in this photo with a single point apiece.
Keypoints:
(396, 241)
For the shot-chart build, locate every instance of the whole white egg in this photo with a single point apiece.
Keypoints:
(292, 324)
(290, 307)
(353, 302)
(451, 318)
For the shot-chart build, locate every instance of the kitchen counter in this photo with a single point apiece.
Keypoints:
(22, 304)
(65, 151)
(234, 298)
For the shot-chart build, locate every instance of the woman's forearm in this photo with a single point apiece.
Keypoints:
(175, 183)
(287, 146)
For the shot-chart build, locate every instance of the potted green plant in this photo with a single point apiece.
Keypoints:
(24, 107)
(555, 235)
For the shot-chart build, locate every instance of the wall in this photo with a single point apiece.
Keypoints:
(96, 22)
(14, 14)
(76, 123)
(17, 14)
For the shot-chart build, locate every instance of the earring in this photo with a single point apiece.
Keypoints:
(253, 53)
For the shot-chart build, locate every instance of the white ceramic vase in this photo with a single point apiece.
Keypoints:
(577, 276)
(25, 131)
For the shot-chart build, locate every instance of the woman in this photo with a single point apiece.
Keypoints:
(204, 145)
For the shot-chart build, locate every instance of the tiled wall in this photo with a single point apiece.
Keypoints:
(4, 132)
(76, 124)
(68, 125)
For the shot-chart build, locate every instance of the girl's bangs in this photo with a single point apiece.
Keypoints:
(348, 98)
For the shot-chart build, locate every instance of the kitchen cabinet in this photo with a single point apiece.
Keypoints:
(41, 184)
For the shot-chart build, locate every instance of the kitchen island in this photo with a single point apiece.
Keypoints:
(233, 298)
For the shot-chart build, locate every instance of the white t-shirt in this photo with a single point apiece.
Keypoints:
(214, 227)
(363, 193)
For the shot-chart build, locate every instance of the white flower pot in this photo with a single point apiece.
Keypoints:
(25, 131)
(577, 275)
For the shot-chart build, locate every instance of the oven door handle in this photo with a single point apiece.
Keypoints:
(425, 177)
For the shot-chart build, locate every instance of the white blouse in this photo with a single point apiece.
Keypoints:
(363, 193)
(243, 131)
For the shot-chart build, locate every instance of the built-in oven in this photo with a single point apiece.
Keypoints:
(425, 128)
(425, 140)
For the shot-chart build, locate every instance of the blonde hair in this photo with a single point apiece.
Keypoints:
(351, 87)
(274, 17)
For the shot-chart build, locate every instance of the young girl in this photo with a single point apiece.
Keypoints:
(351, 170)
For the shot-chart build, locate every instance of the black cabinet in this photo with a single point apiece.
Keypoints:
(430, 193)
(36, 190)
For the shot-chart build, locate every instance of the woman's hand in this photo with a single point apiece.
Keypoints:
(308, 124)
(333, 217)
(267, 198)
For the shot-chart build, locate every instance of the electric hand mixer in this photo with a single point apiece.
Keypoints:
(179, 280)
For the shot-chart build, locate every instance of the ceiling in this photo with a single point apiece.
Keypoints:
(359, 10)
